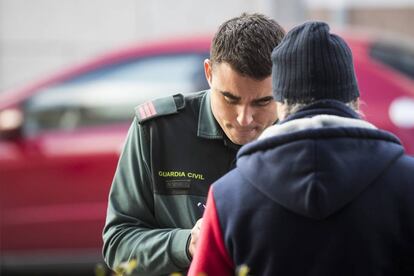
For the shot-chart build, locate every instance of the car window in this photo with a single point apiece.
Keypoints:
(109, 95)
(397, 54)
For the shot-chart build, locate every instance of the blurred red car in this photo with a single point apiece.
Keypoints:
(60, 139)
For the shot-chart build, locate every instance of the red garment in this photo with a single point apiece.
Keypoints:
(211, 257)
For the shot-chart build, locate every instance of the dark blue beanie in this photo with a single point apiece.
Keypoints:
(312, 64)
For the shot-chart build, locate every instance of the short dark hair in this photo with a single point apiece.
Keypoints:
(246, 43)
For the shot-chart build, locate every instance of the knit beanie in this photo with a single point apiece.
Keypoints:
(312, 64)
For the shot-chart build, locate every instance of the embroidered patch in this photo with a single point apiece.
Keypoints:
(178, 184)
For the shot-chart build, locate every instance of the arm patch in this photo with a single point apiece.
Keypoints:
(159, 107)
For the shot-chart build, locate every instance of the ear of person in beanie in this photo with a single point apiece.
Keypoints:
(312, 64)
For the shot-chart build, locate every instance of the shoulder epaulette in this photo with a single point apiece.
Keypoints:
(159, 107)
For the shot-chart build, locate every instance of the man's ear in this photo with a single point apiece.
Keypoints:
(208, 71)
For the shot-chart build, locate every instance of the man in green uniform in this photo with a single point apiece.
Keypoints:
(177, 146)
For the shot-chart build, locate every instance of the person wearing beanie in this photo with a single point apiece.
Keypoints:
(322, 192)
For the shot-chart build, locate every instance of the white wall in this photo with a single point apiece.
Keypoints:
(42, 36)
(332, 4)
(39, 36)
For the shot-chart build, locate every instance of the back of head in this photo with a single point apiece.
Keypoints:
(246, 43)
(313, 64)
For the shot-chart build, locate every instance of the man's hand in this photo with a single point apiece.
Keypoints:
(195, 232)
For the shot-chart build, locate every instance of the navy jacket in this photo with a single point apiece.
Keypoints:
(322, 193)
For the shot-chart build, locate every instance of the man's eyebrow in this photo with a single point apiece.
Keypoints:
(234, 97)
(229, 95)
(264, 99)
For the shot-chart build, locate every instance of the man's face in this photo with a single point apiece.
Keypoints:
(242, 106)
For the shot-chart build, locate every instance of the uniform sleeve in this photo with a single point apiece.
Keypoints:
(211, 257)
(131, 230)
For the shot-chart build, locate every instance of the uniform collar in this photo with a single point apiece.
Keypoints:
(207, 124)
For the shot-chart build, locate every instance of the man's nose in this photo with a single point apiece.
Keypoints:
(245, 115)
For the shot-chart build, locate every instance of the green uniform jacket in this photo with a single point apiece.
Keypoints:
(174, 151)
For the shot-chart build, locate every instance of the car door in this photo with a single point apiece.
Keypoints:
(56, 178)
(385, 72)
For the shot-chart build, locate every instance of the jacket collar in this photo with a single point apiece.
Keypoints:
(315, 122)
(327, 107)
(321, 114)
(207, 124)
(327, 122)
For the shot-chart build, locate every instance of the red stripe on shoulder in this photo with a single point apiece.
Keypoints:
(142, 112)
(152, 108)
(147, 109)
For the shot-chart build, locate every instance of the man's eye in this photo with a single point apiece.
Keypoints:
(230, 100)
(263, 102)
